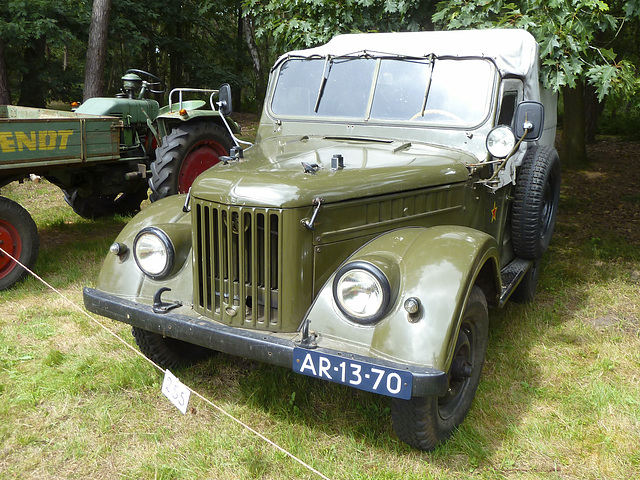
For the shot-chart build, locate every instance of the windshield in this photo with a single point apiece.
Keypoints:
(450, 92)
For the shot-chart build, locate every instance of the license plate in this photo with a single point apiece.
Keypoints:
(372, 378)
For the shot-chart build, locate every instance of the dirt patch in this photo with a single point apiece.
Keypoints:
(605, 196)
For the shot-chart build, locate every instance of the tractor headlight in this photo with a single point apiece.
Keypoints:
(362, 292)
(154, 252)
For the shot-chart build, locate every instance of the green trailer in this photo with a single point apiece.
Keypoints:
(45, 139)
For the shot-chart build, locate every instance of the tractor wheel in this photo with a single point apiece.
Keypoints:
(189, 150)
(425, 422)
(535, 202)
(19, 238)
(98, 206)
(169, 352)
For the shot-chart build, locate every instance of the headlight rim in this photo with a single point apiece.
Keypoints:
(379, 275)
(169, 248)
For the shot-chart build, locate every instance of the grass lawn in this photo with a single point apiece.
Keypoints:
(559, 397)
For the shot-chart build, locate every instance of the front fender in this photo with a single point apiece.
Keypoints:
(437, 265)
(121, 276)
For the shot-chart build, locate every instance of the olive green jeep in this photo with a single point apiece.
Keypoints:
(400, 184)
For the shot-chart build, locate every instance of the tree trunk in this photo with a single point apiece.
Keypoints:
(249, 36)
(5, 93)
(32, 87)
(574, 149)
(593, 109)
(97, 49)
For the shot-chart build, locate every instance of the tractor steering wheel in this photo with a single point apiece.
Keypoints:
(155, 85)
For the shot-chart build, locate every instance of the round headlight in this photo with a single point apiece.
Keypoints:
(153, 252)
(501, 141)
(362, 292)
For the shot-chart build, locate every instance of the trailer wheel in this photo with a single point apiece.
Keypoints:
(185, 153)
(98, 206)
(168, 352)
(424, 422)
(19, 238)
(535, 202)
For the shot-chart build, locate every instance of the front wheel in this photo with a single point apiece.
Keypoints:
(186, 152)
(19, 238)
(168, 352)
(425, 422)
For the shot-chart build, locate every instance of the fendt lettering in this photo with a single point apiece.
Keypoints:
(33, 141)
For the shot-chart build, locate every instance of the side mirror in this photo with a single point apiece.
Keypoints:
(529, 116)
(225, 106)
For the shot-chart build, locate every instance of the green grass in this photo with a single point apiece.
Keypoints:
(559, 396)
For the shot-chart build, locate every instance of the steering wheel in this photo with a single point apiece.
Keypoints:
(442, 113)
(157, 82)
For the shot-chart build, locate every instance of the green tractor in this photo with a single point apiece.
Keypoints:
(106, 155)
(176, 143)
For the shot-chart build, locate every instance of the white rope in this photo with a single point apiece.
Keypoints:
(140, 354)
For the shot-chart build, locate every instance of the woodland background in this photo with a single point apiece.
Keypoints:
(70, 49)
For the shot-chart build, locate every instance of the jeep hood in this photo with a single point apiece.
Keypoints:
(273, 172)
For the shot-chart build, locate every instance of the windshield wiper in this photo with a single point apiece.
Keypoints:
(325, 75)
(426, 90)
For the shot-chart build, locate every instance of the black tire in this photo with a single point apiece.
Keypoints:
(169, 352)
(535, 202)
(98, 206)
(18, 237)
(186, 152)
(525, 292)
(425, 422)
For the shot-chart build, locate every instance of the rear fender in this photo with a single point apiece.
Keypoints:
(438, 266)
(167, 119)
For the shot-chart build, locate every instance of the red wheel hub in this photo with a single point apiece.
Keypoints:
(203, 155)
(12, 244)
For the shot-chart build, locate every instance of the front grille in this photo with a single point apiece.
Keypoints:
(237, 264)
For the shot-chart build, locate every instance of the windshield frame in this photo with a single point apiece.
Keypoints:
(430, 61)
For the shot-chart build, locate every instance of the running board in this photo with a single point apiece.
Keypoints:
(512, 274)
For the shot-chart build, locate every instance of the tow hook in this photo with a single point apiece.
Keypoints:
(308, 338)
(161, 307)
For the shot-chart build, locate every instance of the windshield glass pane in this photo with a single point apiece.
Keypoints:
(345, 93)
(459, 91)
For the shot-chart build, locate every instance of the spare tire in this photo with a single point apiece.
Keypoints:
(535, 202)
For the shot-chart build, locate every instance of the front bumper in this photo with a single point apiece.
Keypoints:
(255, 345)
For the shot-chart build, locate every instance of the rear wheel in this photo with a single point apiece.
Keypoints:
(98, 206)
(424, 422)
(19, 238)
(168, 352)
(185, 153)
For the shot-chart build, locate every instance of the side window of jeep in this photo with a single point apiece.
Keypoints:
(511, 95)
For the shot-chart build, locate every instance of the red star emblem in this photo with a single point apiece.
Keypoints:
(494, 211)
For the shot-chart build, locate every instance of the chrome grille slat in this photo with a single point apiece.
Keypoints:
(237, 252)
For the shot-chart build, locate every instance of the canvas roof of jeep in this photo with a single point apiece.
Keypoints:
(514, 52)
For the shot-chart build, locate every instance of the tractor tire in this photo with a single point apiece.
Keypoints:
(19, 238)
(535, 202)
(168, 352)
(425, 422)
(186, 152)
(99, 206)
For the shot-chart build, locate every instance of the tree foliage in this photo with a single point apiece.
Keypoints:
(574, 36)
